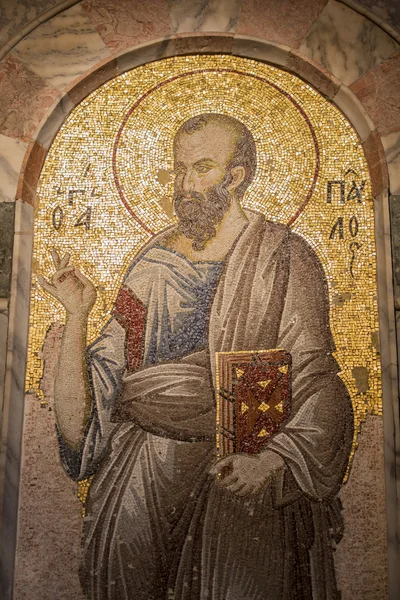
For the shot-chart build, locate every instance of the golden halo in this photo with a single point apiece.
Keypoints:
(286, 174)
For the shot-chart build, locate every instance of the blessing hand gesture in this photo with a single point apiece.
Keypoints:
(70, 287)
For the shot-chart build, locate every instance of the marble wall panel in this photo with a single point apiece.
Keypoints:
(185, 44)
(376, 159)
(385, 10)
(391, 144)
(10, 449)
(390, 378)
(282, 21)
(203, 15)
(395, 230)
(123, 23)
(62, 48)
(354, 111)
(24, 99)
(3, 348)
(12, 153)
(57, 114)
(33, 163)
(313, 73)
(6, 246)
(379, 91)
(276, 54)
(16, 14)
(87, 83)
(346, 43)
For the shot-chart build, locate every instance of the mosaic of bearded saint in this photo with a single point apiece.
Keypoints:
(137, 407)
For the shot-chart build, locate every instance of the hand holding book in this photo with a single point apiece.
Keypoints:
(253, 402)
(248, 473)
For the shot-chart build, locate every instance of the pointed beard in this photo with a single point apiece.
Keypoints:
(200, 214)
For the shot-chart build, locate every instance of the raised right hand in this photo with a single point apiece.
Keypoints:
(75, 291)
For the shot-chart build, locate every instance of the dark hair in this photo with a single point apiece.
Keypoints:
(245, 153)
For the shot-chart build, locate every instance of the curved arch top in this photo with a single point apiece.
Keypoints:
(284, 57)
(246, 47)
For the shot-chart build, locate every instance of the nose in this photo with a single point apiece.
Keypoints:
(188, 181)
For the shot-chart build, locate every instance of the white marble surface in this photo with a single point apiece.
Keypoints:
(143, 53)
(14, 382)
(63, 48)
(24, 215)
(277, 54)
(204, 15)
(387, 331)
(16, 14)
(56, 116)
(3, 346)
(12, 154)
(391, 143)
(347, 43)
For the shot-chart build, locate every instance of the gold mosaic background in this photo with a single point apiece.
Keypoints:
(103, 239)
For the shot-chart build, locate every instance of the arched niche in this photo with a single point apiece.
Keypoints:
(273, 54)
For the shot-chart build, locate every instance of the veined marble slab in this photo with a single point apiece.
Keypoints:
(3, 350)
(12, 154)
(387, 10)
(204, 15)
(6, 246)
(346, 43)
(391, 143)
(126, 23)
(62, 48)
(16, 15)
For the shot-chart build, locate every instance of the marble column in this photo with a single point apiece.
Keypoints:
(14, 381)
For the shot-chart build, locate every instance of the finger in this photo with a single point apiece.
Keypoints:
(55, 257)
(235, 488)
(58, 276)
(84, 280)
(228, 480)
(246, 490)
(225, 462)
(64, 261)
(46, 285)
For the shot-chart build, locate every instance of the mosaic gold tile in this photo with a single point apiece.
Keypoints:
(107, 184)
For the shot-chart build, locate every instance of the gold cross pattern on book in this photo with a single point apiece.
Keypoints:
(253, 398)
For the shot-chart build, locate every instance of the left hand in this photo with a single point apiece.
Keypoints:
(250, 473)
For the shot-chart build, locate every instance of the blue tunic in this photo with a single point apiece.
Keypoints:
(186, 331)
(178, 294)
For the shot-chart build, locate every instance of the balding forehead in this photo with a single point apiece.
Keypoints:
(214, 139)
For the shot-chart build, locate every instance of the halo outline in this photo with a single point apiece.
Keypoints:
(214, 70)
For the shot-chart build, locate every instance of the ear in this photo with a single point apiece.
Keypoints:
(238, 175)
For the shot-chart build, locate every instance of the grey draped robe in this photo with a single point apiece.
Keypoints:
(158, 526)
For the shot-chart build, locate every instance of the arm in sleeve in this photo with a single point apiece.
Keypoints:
(106, 363)
(316, 441)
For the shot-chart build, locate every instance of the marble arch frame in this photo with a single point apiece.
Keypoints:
(244, 46)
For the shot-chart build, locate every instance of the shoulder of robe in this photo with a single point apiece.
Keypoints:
(278, 237)
(266, 236)
(157, 239)
(302, 252)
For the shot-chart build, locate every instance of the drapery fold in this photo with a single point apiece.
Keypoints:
(152, 506)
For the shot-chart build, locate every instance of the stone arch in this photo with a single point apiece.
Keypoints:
(205, 42)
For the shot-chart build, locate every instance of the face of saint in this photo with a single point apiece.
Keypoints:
(201, 195)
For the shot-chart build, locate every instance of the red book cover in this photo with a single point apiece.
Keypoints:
(253, 398)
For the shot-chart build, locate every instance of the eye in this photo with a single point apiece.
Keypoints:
(203, 168)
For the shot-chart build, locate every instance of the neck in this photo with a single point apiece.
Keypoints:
(233, 222)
